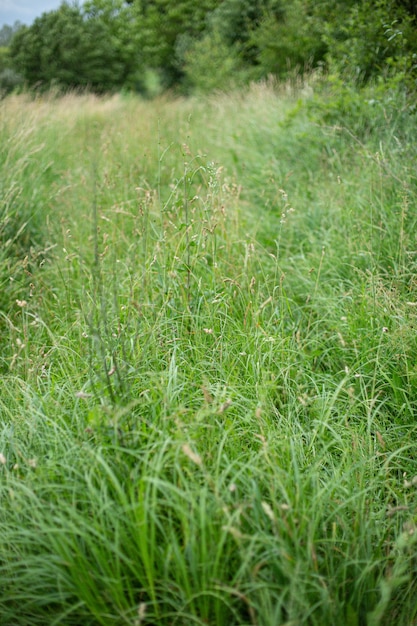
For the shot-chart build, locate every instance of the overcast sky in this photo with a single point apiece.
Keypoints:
(25, 10)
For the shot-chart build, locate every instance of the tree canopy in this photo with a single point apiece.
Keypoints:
(74, 47)
(112, 44)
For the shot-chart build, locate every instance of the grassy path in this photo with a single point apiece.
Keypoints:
(208, 356)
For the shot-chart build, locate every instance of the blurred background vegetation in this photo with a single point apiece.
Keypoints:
(148, 46)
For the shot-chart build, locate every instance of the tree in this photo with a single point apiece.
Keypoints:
(374, 37)
(71, 49)
(359, 39)
(166, 29)
(287, 40)
(110, 44)
(7, 33)
(212, 64)
(236, 20)
(119, 18)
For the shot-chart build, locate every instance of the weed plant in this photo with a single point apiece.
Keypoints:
(209, 360)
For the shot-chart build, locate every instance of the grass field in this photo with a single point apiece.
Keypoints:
(208, 359)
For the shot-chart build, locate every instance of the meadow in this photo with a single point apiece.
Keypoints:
(208, 359)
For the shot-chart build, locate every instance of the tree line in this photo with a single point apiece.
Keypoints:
(149, 45)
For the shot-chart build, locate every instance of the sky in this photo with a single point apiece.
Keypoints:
(24, 11)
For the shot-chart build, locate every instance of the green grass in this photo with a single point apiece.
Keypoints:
(208, 360)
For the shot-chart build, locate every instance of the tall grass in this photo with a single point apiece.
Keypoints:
(207, 406)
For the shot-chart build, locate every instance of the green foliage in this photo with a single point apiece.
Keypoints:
(122, 30)
(211, 64)
(289, 41)
(7, 33)
(4, 58)
(111, 45)
(9, 79)
(373, 39)
(163, 26)
(359, 40)
(68, 49)
(236, 19)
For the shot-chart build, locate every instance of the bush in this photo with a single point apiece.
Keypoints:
(211, 64)
(376, 38)
(289, 41)
(9, 81)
